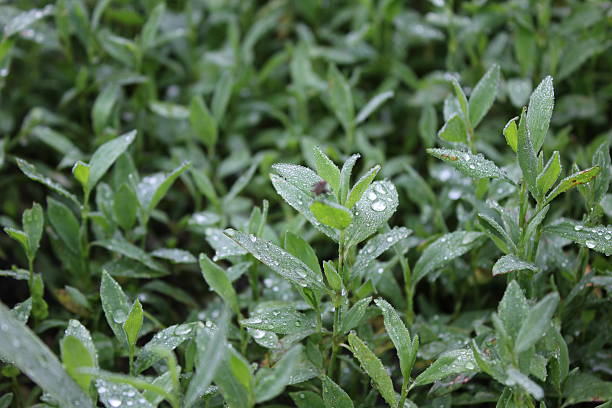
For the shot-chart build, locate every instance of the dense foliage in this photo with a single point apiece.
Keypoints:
(305, 203)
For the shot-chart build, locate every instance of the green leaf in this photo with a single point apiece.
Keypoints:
(428, 124)
(540, 110)
(454, 129)
(463, 103)
(586, 387)
(547, 178)
(125, 206)
(371, 212)
(308, 399)
(65, 224)
(153, 188)
(24, 19)
(513, 308)
(377, 245)
(281, 319)
(20, 237)
(449, 363)
(175, 255)
(374, 368)
(472, 165)
(129, 250)
(76, 356)
(361, 186)
(222, 95)
(345, 176)
(30, 171)
(597, 238)
(511, 133)
(6, 399)
(76, 329)
(280, 261)
(294, 184)
(33, 221)
(80, 171)
(149, 30)
(105, 156)
(327, 169)
(334, 279)
(576, 179)
(235, 380)
(334, 396)
(527, 156)
(515, 377)
(443, 250)
(103, 107)
(399, 335)
(484, 94)
(299, 248)
(353, 317)
(114, 394)
(500, 230)
(202, 122)
(271, 383)
(218, 281)
(169, 110)
(115, 305)
(372, 105)
(211, 351)
(20, 347)
(601, 158)
(133, 323)
(536, 323)
(331, 214)
(512, 263)
(341, 98)
(165, 340)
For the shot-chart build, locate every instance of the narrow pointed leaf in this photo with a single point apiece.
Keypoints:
(21, 347)
(484, 95)
(327, 169)
(472, 165)
(576, 179)
(541, 105)
(399, 335)
(105, 156)
(536, 323)
(280, 261)
(361, 186)
(218, 281)
(331, 214)
(374, 368)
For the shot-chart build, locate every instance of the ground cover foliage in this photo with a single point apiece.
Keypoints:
(305, 203)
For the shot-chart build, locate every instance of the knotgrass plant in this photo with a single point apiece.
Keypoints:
(352, 249)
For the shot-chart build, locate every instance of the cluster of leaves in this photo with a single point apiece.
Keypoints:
(190, 259)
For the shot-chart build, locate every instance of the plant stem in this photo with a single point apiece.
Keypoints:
(404, 393)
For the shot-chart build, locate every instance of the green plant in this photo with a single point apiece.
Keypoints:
(311, 204)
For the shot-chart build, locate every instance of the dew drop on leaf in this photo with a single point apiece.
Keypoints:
(379, 206)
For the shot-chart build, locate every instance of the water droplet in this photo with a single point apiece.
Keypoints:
(208, 324)
(114, 402)
(372, 196)
(469, 366)
(608, 236)
(379, 206)
(4, 72)
(472, 166)
(182, 330)
(389, 239)
(258, 334)
(454, 194)
(578, 227)
(590, 244)
(253, 238)
(256, 320)
(119, 317)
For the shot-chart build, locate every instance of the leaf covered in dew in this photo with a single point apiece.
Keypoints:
(342, 154)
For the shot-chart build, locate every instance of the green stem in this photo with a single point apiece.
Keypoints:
(404, 393)
(334, 354)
